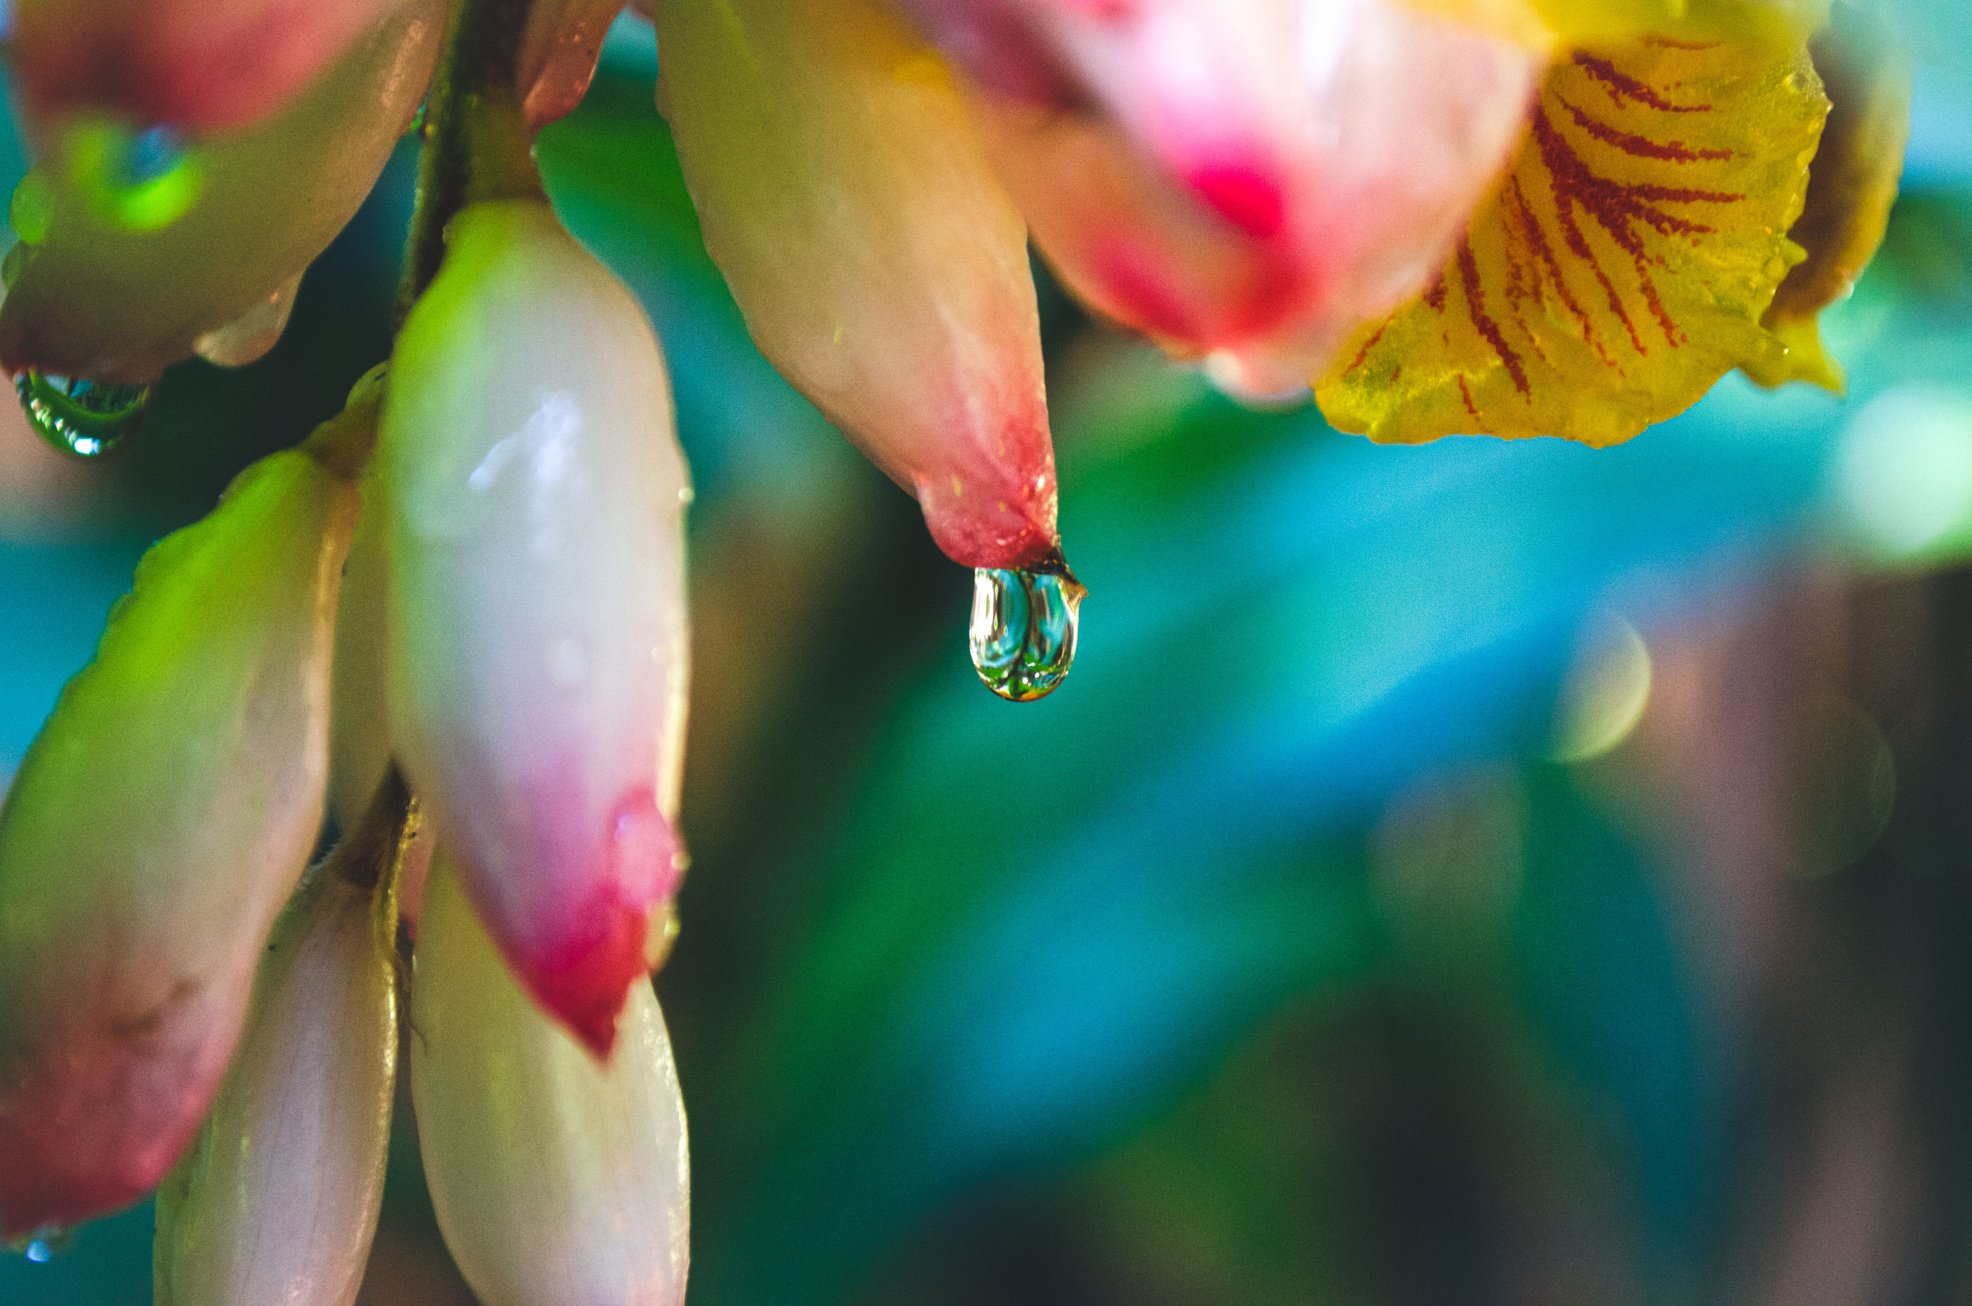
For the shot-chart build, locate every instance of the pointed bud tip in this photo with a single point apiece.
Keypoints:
(585, 981)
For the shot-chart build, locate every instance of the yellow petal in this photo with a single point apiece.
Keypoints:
(1625, 263)
(1850, 190)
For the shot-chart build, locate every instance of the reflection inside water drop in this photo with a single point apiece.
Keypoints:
(138, 180)
(1024, 625)
(79, 416)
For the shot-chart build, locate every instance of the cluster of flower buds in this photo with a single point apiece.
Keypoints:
(455, 618)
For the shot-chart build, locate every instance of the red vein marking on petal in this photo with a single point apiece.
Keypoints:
(1482, 322)
(1465, 393)
(1362, 355)
(1624, 88)
(1641, 147)
(1434, 294)
(1529, 228)
(1683, 195)
(1569, 182)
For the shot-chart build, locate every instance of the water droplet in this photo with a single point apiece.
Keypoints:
(138, 180)
(44, 1244)
(79, 416)
(663, 937)
(1024, 626)
(647, 857)
(248, 337)
(32, 210)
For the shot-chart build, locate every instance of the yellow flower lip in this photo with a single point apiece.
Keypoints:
(1626, 261)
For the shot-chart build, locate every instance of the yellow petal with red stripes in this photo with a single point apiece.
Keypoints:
(1626, 261)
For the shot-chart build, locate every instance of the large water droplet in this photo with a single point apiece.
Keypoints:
(1024, 625)
(248, 337)
(79, 416)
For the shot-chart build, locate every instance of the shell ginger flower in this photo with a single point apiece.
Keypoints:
(461, 604)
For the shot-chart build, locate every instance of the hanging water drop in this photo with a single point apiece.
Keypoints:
(79, 416)
(43, 1245)
(248, 337)
(1024, 625)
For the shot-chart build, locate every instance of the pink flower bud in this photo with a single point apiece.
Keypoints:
(188, 63)
(537, 613)
(116, 282)
(844, 195)
(155, 829)
(1247, 180)
(556, 1179)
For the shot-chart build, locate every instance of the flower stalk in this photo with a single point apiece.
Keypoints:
(477, 145)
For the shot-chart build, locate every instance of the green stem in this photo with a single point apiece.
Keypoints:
(477, 146)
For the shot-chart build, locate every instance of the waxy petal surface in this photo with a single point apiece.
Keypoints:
(555, 1178)
(277, 1202)
(156, 827)
(90, 295)
(537, 611)
(843, 193)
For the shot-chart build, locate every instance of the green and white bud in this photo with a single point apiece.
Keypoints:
(156, 828)
(556, 1177)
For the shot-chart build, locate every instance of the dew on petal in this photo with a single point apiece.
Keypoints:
(31, 212)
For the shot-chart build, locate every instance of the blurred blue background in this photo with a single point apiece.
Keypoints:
(1462, 874)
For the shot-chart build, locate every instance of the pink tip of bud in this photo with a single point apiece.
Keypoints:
(82, 1138)
(584, 980)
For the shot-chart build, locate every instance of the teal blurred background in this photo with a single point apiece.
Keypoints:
(1464, 874)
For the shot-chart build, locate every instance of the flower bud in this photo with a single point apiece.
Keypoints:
(844, 195)
(120, 273)
(558, 54)
(556, 1178)
(278, 1199)
(156, 827)
(537, 605)
(1251, 180)
(188, 63)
